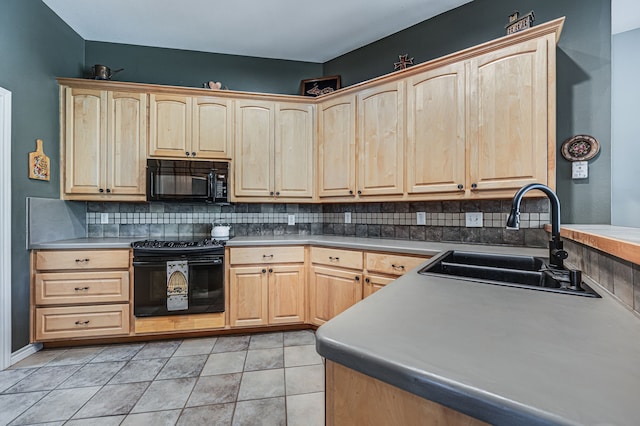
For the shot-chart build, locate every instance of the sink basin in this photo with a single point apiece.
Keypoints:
(507, 270)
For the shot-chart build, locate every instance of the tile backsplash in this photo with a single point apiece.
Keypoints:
(445, 220)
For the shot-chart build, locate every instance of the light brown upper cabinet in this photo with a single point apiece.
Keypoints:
(190, 127)
(436, 131)
(274, 151)
(510, 99)
(104, 150)
(337, 147)
(373, 163)
(381, 140)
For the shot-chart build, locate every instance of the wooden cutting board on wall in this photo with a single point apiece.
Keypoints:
(39, 163)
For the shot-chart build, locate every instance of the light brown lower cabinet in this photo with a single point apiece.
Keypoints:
(80, 294)
(266, 295)
(332, 291)
(373, 283)
(353, 398)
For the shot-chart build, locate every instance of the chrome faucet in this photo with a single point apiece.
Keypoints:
(556, 252)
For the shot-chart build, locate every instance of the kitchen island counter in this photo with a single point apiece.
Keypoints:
(502, 355)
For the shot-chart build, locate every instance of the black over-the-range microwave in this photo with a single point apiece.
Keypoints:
(183, 180)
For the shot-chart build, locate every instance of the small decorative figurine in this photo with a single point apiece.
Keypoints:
(404, 62)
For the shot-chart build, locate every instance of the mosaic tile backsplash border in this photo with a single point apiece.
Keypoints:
(445, 221)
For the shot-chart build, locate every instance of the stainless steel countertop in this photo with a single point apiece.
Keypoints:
(504, 355)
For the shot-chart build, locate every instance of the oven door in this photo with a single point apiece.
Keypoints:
(205, 286)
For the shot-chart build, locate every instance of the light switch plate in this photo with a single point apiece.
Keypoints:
(473, 219)
(347, 217)
(421, 218)
(291, 219)
(104, 218)
(579, 170)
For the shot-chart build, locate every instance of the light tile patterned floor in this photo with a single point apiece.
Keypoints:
(261, 379)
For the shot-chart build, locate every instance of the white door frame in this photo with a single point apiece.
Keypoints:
(5, 228)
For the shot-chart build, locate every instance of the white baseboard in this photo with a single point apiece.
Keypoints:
(24, 352)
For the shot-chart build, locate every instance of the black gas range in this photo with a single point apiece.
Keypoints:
(178, 277)
(180, 248)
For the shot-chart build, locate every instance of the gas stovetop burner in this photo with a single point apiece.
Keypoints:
(207, 243)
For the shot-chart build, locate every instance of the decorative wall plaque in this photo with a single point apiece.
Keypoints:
(39, 163)
(519, 23)
(580, 148)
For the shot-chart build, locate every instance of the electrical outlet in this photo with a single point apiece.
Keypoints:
(473, 219)
(421, 218)
(347, 217)
(291, 219)
(104, 218)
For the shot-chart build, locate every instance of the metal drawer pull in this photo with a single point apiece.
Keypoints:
(81, 288)
(334, 258)
(401, 267)
(269, 256)
(82, 322)
(82, 260)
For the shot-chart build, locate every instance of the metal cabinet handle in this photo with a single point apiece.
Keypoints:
(359, 192)
(264, 271)
(277, 193)
(331, 258)
(188, 153)
(108, 190)
(474, 186)
(267, 256)
(357, 278)
(81, 288)
(100, 190)
(83, 322)
(271, 193)
(460, 186)
(82, 260)
(193, 154)
(270, 270)
(367, 280)
(401, 267)
(350, 192)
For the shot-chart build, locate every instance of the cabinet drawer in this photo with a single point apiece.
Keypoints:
(56, 288)
(82, 259)
(336, 257)
(392, 264)
(81, 321)
(256, 255)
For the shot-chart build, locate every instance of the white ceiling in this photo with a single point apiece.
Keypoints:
(314, 31)
(283, 29)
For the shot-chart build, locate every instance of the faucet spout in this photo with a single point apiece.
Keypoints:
(556, 252)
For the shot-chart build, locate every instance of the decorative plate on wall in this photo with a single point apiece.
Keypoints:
(580, 148)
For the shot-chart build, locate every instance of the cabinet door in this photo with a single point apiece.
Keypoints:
(294, 151)
(286, 294)
(248, 296)
(170, 125)
(212, 127)
(331, 292)
(254, 149)
(85, 141)
(436, 131)
(508, 116)
(373, 283)
(127, 147)
(337, 147)
(381, 140)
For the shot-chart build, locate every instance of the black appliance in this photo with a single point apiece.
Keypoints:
(177, 277)
(183, 180)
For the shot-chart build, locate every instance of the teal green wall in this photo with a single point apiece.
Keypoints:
(35, 47)
(188, 68)
(583, 78)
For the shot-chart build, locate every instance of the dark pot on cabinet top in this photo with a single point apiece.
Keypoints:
(103, 72)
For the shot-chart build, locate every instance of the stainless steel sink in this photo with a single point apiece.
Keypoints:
(507, 270)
